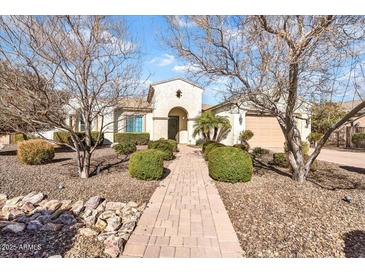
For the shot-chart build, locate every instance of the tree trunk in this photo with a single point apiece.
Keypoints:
(215, 134)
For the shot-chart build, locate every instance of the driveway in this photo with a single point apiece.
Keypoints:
(338, 156)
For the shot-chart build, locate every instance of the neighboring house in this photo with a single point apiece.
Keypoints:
(170, 110)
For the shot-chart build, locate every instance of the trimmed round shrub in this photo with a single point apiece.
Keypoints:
(229, 164)
(210, 148)
(206, 143)
(246, 135)
(358, 138)
(164, 146)
(172, 142)
(125, 148)
(35, 152)
(146, 164)
(244, 147)
(280, 159)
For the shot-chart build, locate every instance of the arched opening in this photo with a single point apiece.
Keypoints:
(178, 125)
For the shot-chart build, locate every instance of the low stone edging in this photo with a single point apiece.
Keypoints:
(110, 222)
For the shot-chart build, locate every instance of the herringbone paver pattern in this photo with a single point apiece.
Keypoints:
(185, 217)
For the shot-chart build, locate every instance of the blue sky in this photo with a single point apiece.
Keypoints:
(159, 62)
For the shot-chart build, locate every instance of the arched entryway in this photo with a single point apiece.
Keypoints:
(178, 125)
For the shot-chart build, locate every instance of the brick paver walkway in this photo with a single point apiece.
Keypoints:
(185, 216)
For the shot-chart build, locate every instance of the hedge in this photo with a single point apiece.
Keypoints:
(172, 142)
(358, 138)
(125, 148)
(164, 146)
(65, 137)
(35, 152)
(146, 164)
(229, 164)
(210, 148)
(280, 159)
(138, 138)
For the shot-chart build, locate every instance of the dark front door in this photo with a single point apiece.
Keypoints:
(173, 127)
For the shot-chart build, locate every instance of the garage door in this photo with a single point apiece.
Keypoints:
(267, 132)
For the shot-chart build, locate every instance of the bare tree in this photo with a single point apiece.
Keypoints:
(277, 64)
(54, 65)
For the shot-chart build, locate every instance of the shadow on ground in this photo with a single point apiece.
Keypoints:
(354, 169)
(354, 244)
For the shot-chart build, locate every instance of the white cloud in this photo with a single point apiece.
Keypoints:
(165, 60)
(186, 68)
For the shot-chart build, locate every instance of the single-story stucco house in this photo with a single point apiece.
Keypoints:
(170, 110)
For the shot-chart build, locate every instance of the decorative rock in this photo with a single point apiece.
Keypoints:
(90, 220)
(103, 236)
(107, 214)
(113, 223)
(51, 227)
(34, 225)
(101, 207)
(113, 246)
(14, 228)
(88, 232)
(132, 204)
(22, 219)
(27, 207)
(3, 198)
(61, 186)
(93, 202)
(5, 223)
(66, 204)
(100, 224)
(45, 218)
(114, 205)
(77, 207)
(55, 256)
(52, 205)
(15, 213)
(348, 199)
(73, 227)
(33, 198)
(128, 227)
(12, 202)
(67, 219)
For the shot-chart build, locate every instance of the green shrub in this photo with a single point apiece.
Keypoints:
(314, 137)
(138, 138)
(280, 159)
(259, 151)
(125, 148)
(244, 147)
(146, 164)
(164, 146)
(206, 143)
(229, 164)
(172, 142)
(246, 135)
(210, 148)
(35, 152)
(358, 138)
(65, 137)
(20, 137)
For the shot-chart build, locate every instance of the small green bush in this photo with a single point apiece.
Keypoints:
(244, 147)
(314, 137)
(163, 145)
(172, 142)
(65, 137)
(146, 164)
(246, 135)
(35, 152)
(210, 148)
(20, 137)
(206, 143)
(280, 159)
(259, 151)
(229, 164)
(304, 147)
(358, 138)
(138, 138)
(125, 148)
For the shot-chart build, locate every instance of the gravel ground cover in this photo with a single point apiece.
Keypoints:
(59, 179)
(276, 217)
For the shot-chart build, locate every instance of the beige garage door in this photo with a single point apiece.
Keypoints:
(267, 132)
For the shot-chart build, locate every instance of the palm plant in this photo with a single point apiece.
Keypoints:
(208, 122)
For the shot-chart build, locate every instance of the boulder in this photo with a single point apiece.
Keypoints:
(67, 219)
(114, 205)
(101, 207)
(113, 223)
(27, 207)
(52, 205)
(100, 224)
(128, 227)
(34, 225)
(5, 223)
(91, 219)
(93, 202)
(14, 228)
(103, 236)
(33, 197)
(107, 214)
(52, 227)
(44, 218)
(3, 198)
(12, 202)
(77, 207)
(88, 232)
(66, 204)
(113, 246)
